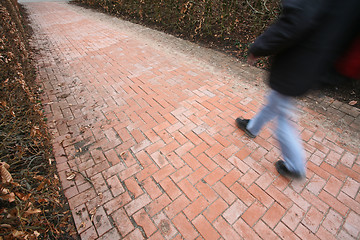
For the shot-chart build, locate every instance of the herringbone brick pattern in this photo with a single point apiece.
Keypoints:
(153, 137)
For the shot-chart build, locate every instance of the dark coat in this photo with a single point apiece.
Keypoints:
(306, 40)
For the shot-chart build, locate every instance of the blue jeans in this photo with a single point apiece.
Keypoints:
(281, 107)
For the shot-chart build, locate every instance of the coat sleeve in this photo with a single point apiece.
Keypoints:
(297, 18)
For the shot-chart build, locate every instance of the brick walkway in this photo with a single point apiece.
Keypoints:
(154, 135)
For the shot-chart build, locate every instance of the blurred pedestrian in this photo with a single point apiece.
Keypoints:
(304, 43)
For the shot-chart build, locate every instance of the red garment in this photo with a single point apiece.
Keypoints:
(349, 64)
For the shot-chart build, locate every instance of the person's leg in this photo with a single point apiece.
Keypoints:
(288, 137)
(266, 114)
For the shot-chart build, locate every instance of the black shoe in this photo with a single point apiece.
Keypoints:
(282, 169)
(242, 124)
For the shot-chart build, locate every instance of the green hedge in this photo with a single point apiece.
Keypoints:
(234, 22)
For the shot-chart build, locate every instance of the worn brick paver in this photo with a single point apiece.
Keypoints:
(154, 134)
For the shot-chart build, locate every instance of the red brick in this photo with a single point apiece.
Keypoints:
(332, 222)
(226, 231)
(333, 202)
(158, 204)
(193, 138)
(293, 217)
(215, 176)
(207, 162)
(196, 207)
(333, 186)
(284, 232)
(188, 189)
(352, 224)
(122, 222)
(244, 153)
(133, 187)
(260, 195)
(177, 206)
(351, 187)
(242, 194)
(112, 234)
(223, 141)
(348, 159)
(81, 218)
(315, 201)
(312, 219)
(305, 233)
(82, 198)
(229, 151)
(97, 168)
(169, 147)
(117, 202)
(175, 160)
(90, 234)
(273, 215)
(234, 211)
(146, 172)
(215, 209)
(142, 219)
(224, 192)
(101, 221)
(349, 172)
(164, 225)
(185, 148)
(264, 180)
(163, 173)
(179, 137)
(136, 234)
(324, 234)
(115, 186)
(191, 161)
(316, 184)
(264, 231)
(206, 191)
(198, 175)
(231, 177)
(128, 172)
(113, 170)
(244, 230)
(207, 138)
(137, 204)
(349, 202)
(280, 197)
(333, 171)
(205, 229)
(181, 173)
(253, 213)
(185, 227)
(214, 150)
(170, 188)
(98, 156)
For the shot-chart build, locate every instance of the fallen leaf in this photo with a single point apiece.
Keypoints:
(22, 196)
(8, 197)
(41, 186)
(32, 211)
(71, 176)
(352, 103)
(92, 214)
(40, 178)
(82, 225)
(123, 155)
(36, 233)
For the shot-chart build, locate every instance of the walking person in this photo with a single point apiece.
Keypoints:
(304, 43)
